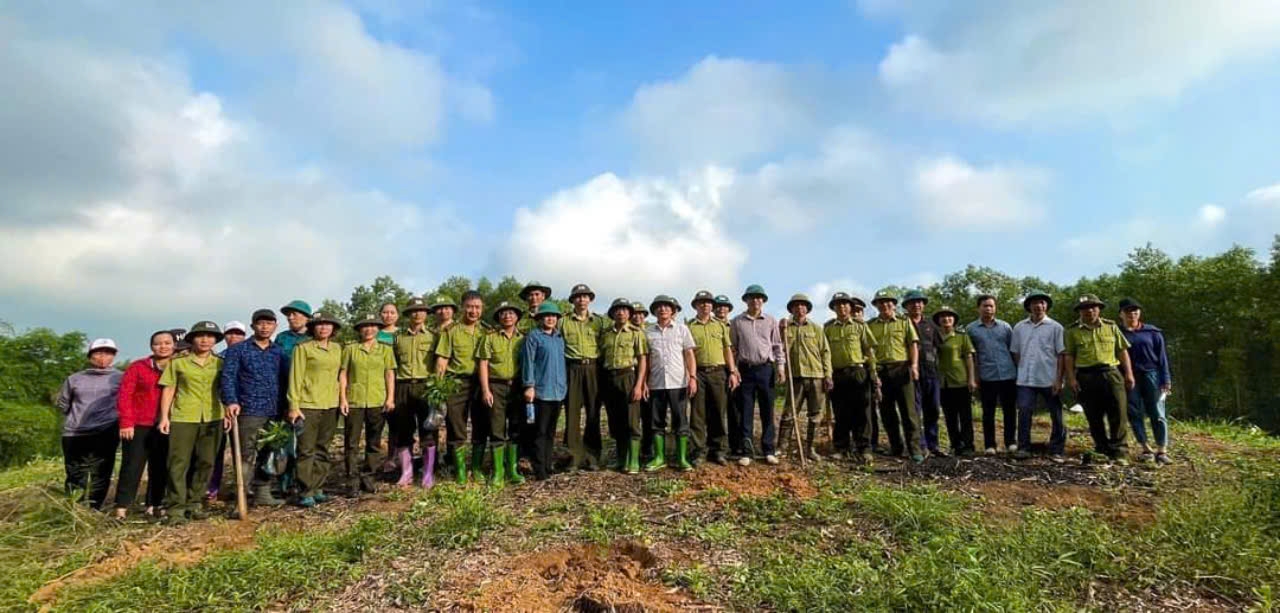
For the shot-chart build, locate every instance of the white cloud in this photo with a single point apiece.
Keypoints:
(1011, 61)
(821, 292)
(1264, 195)
(1212, 214)
(954, 194)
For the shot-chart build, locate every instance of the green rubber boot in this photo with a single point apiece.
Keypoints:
(460, 464)
(633, 458)
(682, 454)
(513, 464)
(477, 463)
(659, 460)
(499, 477)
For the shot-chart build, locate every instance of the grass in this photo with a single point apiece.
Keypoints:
(606, 523)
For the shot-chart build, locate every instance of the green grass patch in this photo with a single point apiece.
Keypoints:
(664, 487)
(606, 523)
(1238, 432)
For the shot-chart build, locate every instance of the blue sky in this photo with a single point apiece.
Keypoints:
(166, 164)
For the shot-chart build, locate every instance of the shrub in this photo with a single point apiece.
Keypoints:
(29, 431)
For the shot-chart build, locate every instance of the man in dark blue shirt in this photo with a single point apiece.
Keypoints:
(1150, 360)
(252, 381)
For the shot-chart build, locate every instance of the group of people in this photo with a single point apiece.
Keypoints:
(505, 383)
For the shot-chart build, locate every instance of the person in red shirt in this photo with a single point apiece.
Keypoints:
(141, 442)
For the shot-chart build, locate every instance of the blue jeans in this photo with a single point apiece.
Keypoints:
(1027, 405)
(928, 401)
(756, 386)
(1144, 401)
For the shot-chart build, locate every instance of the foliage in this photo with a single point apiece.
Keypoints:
(29, 432)
(274, 436)
(35, 363)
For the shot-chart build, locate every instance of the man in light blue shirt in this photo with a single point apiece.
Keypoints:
(543, 376)
(1037, 348)
(997, 374)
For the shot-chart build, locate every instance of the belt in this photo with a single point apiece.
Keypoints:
(1096, 370)
(502, 381)
(417, 380)
(711, 368)
(851, 369)
(580, 361)
(742, 364)
(623, 369)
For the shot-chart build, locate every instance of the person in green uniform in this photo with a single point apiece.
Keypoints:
(958, 380)
(191, 414)
(297, 314)
(717, 378)
(809, 363)
(414, 352)
(366, 392)
(581, 330)
(497, 367)
(639, 313)
(624, 360)
(313, 398)
(533, 294)
(854, 378)
(390, 319)
(721, 307)
(639, 318)
(1095, 348)
(443, 308)
(456, 357)
(897, 352)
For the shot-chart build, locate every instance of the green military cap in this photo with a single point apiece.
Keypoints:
(619, 303)
(534, 285)
(581, 289)
(416, 304)
(441, 300)
(754, 290)
(800, 298)
(723, 300)
(676, 301)
(300, 306)
(505, 306)
(914, 295)
(547, 308)
(1128, 304)
(837, 298)
(370, 319)
(1026, 302)
(945, 310)
(664, 299)
(638, 307)
(883, 295)
(320, 317)
(1089, 300)
(703, 296)
(858, 302)
(204, 327)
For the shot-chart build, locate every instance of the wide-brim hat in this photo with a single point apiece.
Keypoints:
(547, 308)
(945, 310)
(620, 303)
(532, 285)
(884, 295)
(858, 302)
(800, 299)
(754, 290)
(505, 306)
(703, 296)
(1026, 302)
(581, 289)
(416, 304)
(443, 301)
(837, 298)
(663, 299)
(204, 327)
(1089, 300)
(301, 306)
(639, 307)
(320, 317)
(370, 319)
(914, 295)
(723, 300)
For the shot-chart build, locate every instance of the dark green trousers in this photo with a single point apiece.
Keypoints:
(624, 415)
(898, 406)
(460, 406)
(1105, 403)
(709, 418)
(582, 403)
(314, 463)
(506, 417)
(366, 420)
(813, 399)
(191, 450)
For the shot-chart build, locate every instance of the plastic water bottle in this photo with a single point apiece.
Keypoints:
(529, 416)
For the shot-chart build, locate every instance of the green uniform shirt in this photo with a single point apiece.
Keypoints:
(313, 375)
(527, 322)
(893, 338)
(582, 336)
(502, 353)
(852, 343)
(196, 399)
(415, 353)
(622, 348)
(808, 352)
(1095, 345)
(458, 344)
(367, 373)
(952, 352)
(712, 339)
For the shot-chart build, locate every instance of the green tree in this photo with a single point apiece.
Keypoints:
(34, 364)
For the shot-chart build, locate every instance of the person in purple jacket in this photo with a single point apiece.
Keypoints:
(90, 431)
(1150, 360)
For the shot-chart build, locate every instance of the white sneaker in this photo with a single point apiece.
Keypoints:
(991, 451)
(744, 461)
(1011, 448)
(836, 456)
(771, 459)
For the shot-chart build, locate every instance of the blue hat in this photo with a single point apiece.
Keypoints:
(300, 306)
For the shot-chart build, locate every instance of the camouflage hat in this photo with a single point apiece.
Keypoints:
(703, 296)
(723, 300)
(534, 285)
(1026, 302)
(619, 303)
(800, 299)
(547, 308)
(884, 295)
(837, 298)
(300, 306)
(945, 310)
(505, 306)
(441, 300)
(581, 289)
(913, 295)
(638, 307)
(416, 304)
(203, 327)
(370, 319)
(663, 299)
(754, 290)
(1089, 300)
(320, 317)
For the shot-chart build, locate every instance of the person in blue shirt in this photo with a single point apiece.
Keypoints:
(253, 377)
(997, 374)
(543, 376)
(1150, 361)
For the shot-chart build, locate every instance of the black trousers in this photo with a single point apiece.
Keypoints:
(1006, 392)
(1105, 402)
(89, 460)
(851, 403)
(548, 413)
(411, 415)
(582, 404)
(461, 406)
(957, 409)
(148, 448)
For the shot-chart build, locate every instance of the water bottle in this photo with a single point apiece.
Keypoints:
(529, 416)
